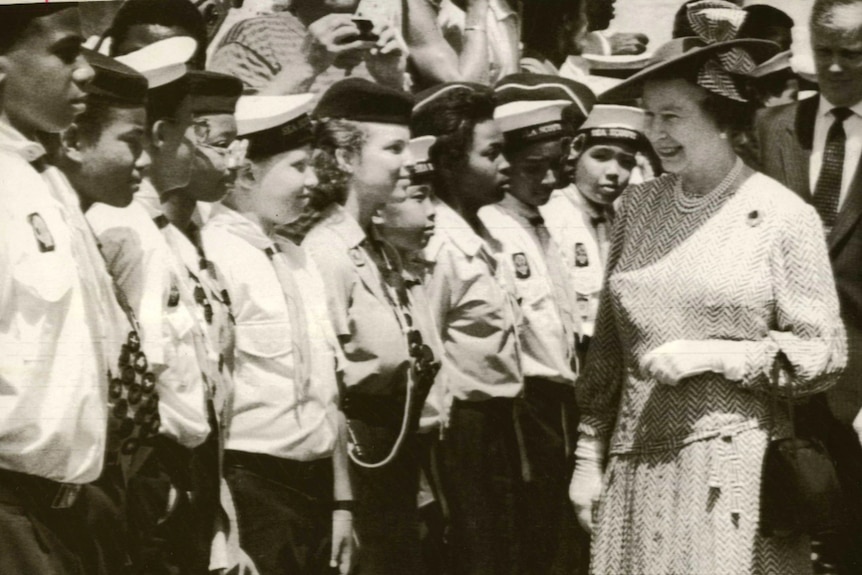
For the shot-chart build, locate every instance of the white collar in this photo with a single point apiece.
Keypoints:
(825, 107)
(11, 140)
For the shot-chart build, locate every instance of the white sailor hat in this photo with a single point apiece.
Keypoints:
(777, 63)
(612, 122)
(530, 121)
(274, 124)
(162, 62)
(418, 164)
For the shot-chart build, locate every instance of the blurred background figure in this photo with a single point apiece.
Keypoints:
(599, 15)
(310, 47)
(139, 23)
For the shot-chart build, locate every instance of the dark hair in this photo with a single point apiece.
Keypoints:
(93, 121)
(15, 19)
(170, 13)
(452, 118)
(764, 22)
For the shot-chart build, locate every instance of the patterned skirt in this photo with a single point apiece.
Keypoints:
(691, 511)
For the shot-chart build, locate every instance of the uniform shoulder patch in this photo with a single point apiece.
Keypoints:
(521, 265)
(44, 239)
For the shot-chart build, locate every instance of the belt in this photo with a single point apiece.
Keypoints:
(314, 477)
(41, 491)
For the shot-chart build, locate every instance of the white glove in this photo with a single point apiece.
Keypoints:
(857, 425)
(674, 361)
(586, 484)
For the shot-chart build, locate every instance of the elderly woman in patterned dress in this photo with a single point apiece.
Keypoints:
(716, 275)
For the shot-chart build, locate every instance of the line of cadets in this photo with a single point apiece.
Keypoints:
(234, 368)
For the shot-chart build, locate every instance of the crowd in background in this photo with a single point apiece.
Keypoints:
(424, 286)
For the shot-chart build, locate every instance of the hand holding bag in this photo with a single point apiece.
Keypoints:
(800, 493)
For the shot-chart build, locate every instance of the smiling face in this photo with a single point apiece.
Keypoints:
(211, 178)
(376, 167)
(112, 164)
(282, 185)
(408, 216)
(684, 137)
(838, 55)
(603, 171)
(536, 171)
(43, 74)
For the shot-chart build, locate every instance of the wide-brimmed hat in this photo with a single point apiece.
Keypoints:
(715, 54)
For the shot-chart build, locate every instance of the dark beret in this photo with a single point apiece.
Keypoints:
(361, 100)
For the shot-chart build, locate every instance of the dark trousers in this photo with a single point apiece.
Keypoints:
(36, 538)
(547, 420)
(284, 511)
(173, 539)
(105, 507)
(433, 516)
(481, 475)
(842, 549)
(386, 519)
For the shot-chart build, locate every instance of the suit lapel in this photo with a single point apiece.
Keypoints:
(850, 211)
(799, 155)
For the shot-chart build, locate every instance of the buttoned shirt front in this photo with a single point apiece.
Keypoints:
(852, 145)
(472, 300)
(60, 325)
(271, 411)
(575, 226)
(547, 336)
(368, 330)
(145, 269)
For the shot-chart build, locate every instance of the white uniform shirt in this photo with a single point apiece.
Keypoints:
(546, 338)
(57, 335)
(145, 270)
(473, 304)
(570, 220)
(852, 145)
(270, 411)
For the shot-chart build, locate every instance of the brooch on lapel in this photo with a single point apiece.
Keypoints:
(754, 218)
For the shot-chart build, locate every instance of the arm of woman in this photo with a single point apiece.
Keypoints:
(808, 339)
(598, 388)
(434, 57)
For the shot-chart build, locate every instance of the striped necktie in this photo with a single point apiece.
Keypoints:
(828, 189)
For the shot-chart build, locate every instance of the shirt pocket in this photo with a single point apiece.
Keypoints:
(45, 277)
(267, 340)
(533, 292)
(180, 323)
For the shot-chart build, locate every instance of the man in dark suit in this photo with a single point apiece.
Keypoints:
(814, 147)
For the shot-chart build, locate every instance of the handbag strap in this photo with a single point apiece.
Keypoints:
(774, 389)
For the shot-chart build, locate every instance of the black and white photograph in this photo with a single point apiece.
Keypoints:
(430, 287)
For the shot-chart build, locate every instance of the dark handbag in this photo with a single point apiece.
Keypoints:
(800, 493)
